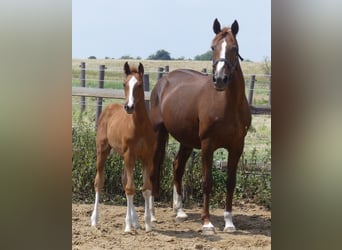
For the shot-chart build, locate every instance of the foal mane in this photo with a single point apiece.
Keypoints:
(224, 32)
(134, 69)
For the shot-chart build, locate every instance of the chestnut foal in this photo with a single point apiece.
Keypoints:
(128, 131)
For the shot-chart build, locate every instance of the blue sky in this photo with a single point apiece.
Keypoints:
(182, 27)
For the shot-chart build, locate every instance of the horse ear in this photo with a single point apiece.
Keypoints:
(141, 69)
(127, 69)
(235, 28)
(216, 26)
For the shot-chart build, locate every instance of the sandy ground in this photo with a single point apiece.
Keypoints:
(253, 225)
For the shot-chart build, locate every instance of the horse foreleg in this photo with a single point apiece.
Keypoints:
(178, 171)
(233, 159)
(207, 182)
(131, 214)
(102, 154)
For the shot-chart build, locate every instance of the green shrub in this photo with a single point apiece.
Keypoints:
(252, 186)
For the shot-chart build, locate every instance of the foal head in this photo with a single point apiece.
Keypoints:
(225, 54)
(133, 85)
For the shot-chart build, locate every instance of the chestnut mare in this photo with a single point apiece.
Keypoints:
(128, 131)
(206, 112)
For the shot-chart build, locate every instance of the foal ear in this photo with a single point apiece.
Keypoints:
(216, 26)
(235, 28)
(141, 69)
(127, 69)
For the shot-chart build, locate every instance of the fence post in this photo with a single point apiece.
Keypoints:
(251, 89)
(269, 100)
(99, 99)
(160, 73)
(82, 79)
(147, 88)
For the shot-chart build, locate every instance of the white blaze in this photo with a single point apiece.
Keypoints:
(220, 65)
(131, 85)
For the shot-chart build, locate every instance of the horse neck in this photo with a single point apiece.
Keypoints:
(238, 85)
(140, 114)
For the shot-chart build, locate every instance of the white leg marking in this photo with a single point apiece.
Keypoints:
(134, 215)
(177, 205)
(208, 229)
(147, 195)
(153, 213)
(131, 85)
(228, 219)
(95, 214)
(220, 65)
(129, 217)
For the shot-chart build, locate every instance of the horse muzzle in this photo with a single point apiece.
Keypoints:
(129, 109)
(221, 84)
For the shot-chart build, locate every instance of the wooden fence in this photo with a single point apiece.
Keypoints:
(101, 93)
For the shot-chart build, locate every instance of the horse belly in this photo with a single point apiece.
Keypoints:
(182, 124)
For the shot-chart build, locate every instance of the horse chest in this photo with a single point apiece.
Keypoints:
(218, 127)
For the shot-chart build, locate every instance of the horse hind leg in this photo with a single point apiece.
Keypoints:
(178, 171)
(147, 193)
(103, 150)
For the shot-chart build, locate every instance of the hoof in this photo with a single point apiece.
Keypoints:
(148, 229)
(153, 219)
(208, 229)
(93, 223)
(229, 229)
(93, 220)
(132, 232)
(181, 216)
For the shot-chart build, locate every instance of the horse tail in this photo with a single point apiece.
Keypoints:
(161, 134)
(158, 160)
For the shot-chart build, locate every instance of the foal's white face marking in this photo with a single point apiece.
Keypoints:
(131, 85)
(220, 65)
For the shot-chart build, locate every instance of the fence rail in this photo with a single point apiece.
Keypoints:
(104, 93)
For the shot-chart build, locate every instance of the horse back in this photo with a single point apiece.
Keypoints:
(175, 101)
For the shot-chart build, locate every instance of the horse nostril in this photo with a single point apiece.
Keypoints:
(225, 79)
(214, 79)
(128, 108)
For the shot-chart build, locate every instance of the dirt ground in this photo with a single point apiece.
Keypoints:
(253, 225)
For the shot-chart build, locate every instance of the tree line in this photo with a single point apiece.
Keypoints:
(164, 55)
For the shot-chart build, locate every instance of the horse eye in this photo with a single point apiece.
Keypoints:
(212, 47)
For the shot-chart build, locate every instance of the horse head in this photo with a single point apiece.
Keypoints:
(225, 54)
(133, 86)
